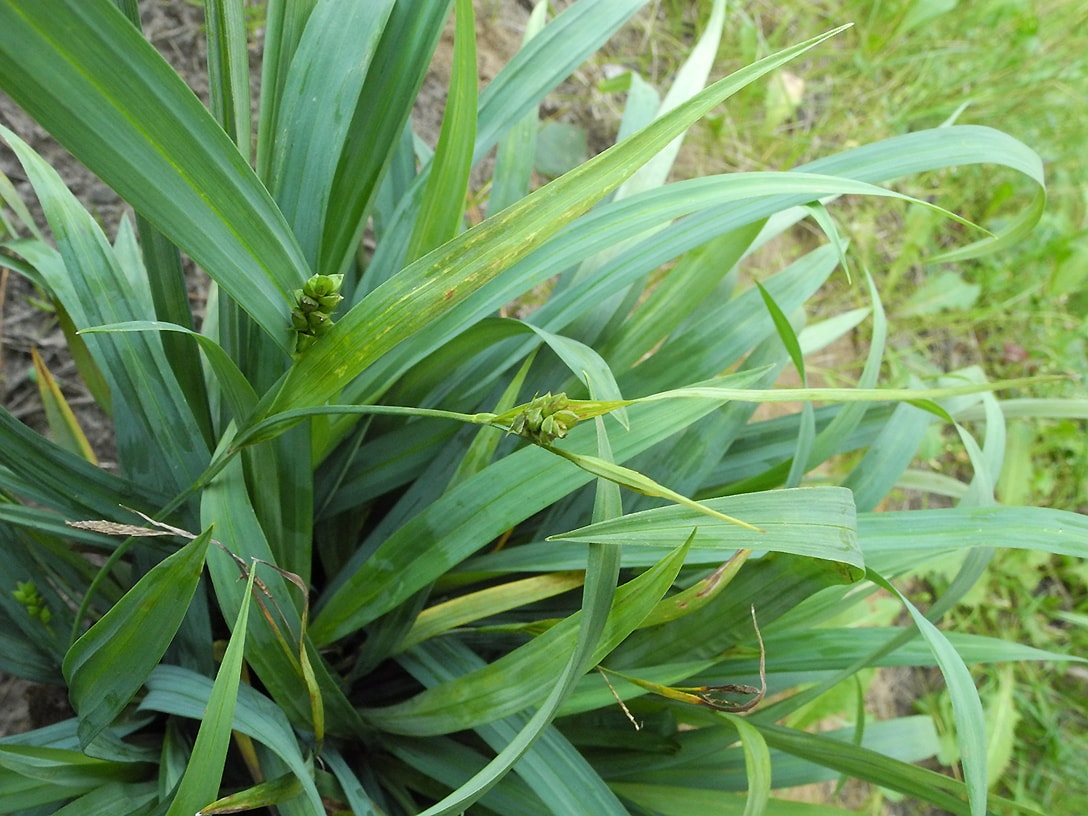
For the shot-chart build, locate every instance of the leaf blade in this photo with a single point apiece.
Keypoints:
(134, 635)
(130, 130)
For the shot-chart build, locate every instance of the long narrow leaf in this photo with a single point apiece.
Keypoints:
(174, 690)
(817, 522)
(107, 95)
(440, 213)
(106, 667)
(228, 69)
(327, 74)
(757, 762)
(518, 679)
(200, 783)
(85, 277)
(378, 124)
(450, 273)
(966, 705)
(38, 469)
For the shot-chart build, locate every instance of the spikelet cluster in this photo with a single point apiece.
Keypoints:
(314, 304)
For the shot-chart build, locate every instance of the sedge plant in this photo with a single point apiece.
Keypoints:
(372, 547)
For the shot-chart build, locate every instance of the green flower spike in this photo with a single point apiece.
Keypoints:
(26, 593)
(314, 304)
(545, 419)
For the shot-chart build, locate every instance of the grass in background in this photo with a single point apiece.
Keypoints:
(1022, 67)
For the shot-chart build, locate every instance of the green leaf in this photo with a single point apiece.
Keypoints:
(228, 69)
(785, 331)
(966, 705)
(887, 456)
(38, 469)
(32, 776)
(108, 665)
(468, 608)
(200, 782)
(284, 24)
(446, 276)
(379, 121)
(327, 75)
(104, 93)
(871, 766)
(158, 261)
(238, 393)
(113, 799)
(175, 690)
(633, 480)
(147, 400)
(815, 522)
(440, 213)
(884, 536)
(358, 799)
(757, 762)
(272, 792)
(519, 679)
(669, 303)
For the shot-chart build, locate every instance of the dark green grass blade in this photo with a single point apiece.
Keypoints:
(439, 217)
(86, 278)
(378, 123)
(37, 469)
(451, 273)
(473, 513)
(328, 71)
(106, 95)
(228, 70)
(166, 279)
(107, 665)
(284, 24)
(200, 783)
(31, 777)
(174, 690)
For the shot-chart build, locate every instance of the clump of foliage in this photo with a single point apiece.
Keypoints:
(907, 66)
(394, 554)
